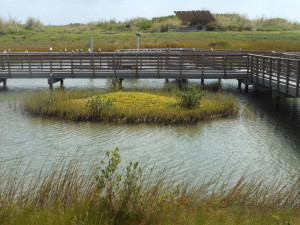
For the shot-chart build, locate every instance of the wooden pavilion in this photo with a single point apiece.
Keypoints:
(196, 21)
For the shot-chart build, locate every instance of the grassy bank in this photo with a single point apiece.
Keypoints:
(128, 106)
(110, 195)
(60, 40)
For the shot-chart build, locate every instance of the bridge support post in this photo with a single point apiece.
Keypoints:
(276, 101)
(4, 83)
(239, 85)
(246, 88)
(62, 83)
(202, 81)
(52, 81)
(179, 83)
(167, 80)
(121, 81)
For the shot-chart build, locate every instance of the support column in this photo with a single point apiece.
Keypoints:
(167, 80)
(202, 81)
(4, 83)
(276, 101)
(239, 85)
(121, 81)
(62, 83)
(179, 83)
(50, 82)
(246, 88)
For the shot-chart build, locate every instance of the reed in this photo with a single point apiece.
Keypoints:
(128, 106)
(114, 194)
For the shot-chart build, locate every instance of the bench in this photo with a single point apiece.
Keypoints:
(19, 37)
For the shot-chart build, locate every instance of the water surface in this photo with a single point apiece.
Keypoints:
(266, 140)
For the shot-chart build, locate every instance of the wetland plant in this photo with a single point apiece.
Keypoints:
(189, 98)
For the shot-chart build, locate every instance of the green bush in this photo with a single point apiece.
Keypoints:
(119, 191)
(190, 98)
(33, 24)
(97, 106)
(114, 84)
(146, 25)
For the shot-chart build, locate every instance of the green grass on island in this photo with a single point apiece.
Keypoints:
(129, 106)
(110, 194)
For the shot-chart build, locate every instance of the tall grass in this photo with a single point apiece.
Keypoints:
(114, 194)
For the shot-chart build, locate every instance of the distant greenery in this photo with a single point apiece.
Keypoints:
(224, 22)
(110, 35)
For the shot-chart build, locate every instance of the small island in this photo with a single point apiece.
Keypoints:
(133, 106)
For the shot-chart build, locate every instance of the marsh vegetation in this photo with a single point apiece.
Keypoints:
(113, 193)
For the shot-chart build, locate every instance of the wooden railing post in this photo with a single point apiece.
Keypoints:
(93, 63)
(50, 63)
(29, 64)
(257, 69)
(137, 66)
(61, 67)
(297, 80)
(202, 66)
(271, 72)
(72, 65)
(8, 65)
(287, 82)
(251, 69)
(80, 59)
(158, 67)
(114, 64)
(263, 70)
(225, 67)
(278, 73)
(180, 59)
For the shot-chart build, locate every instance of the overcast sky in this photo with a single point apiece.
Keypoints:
(58, 12)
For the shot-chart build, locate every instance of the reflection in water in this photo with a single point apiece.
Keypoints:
(268, 142)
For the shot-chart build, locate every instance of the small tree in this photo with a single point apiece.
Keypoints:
(33, 24)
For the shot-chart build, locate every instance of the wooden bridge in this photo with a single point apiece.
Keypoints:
(277, 71)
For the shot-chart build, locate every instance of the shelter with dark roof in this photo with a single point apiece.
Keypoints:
(196, 21)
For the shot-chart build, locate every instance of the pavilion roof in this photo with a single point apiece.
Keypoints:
(199, 16)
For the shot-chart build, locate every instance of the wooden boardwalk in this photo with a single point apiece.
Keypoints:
(277, 71)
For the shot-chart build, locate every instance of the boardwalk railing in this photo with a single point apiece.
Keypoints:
(278, 71)
(281, 74)
(124, 65)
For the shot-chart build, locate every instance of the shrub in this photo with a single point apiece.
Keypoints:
(97, 105)
(119, 191)
(33, 24)
(114, 84)
(190, 98)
